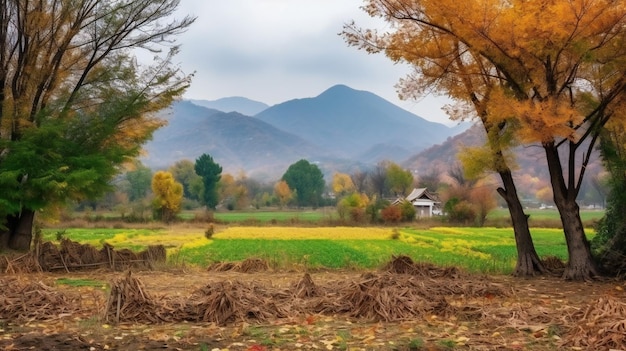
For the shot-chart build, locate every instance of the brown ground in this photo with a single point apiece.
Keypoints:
(511, 314)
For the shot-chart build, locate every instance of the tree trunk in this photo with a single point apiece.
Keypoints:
(580, 265)
(21, 232)
(528, 262)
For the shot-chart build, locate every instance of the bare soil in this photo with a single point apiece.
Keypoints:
(543, 313)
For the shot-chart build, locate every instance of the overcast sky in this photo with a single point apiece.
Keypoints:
(277, 50)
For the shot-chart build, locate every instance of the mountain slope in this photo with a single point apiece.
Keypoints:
(235, 141)
(351, 122)
(239, 104)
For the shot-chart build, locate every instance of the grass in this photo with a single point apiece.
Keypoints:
(485, 250)
(82, 282)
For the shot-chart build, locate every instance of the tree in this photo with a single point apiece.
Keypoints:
(399, 180)
(342, 184)
(233, 191)
(610, 240)
(185, 173)
(210, 172)
(139, 180)
(283, 193)
(168, 195)
(75, 104)
(547, 72)
(353, 205)
(359, 179)
(378, 179)
(307, 182)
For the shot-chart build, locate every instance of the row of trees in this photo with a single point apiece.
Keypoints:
(549, 73)
(360, 196)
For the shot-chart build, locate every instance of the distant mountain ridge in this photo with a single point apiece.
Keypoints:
(354, 121)
(239, 104)
(340, 129)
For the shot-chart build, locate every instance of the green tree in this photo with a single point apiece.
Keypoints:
(610, 241)
(399, 180)
(184, 172)
(75, 104)
(307, 182)
(138, 182)
(211, 173)
(168, 195)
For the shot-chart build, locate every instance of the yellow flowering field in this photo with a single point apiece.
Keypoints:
(300, 233)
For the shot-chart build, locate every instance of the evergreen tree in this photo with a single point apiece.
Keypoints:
(211, 173)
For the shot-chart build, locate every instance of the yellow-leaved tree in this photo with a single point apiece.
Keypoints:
(547, 72)
(168, 195)
(283, 193)
(342, 184)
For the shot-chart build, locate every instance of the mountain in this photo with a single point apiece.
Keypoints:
(353, 123)
(235, 141)
(233, 104)
(341, 130)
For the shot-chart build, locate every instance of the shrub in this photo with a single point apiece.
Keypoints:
(391, 214)
(210, 231)
(408, 211)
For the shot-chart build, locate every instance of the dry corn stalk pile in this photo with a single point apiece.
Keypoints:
(26, 301)
(379, 297)
(71, 255)
(601, 326)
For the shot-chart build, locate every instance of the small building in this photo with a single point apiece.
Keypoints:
(426, 203)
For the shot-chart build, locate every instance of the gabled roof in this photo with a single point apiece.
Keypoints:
(421, 193)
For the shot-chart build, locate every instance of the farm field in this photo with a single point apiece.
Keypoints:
(328, 288)
(358, 310)
(484, 250)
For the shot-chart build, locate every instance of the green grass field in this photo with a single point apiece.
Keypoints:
(486, 250)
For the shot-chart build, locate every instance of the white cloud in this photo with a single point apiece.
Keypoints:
(277, 50)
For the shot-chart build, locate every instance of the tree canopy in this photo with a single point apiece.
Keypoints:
(168, 195)
(211, 173)
(75, 103)
(549, 70)
(307, 182)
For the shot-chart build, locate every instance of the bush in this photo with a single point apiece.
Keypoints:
(408, 211)
(391, 214)
(210, 231)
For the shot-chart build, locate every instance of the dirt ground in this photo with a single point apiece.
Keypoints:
(529, 314)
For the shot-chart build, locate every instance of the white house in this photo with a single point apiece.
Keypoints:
(426, 203)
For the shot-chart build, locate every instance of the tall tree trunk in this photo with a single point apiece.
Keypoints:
(22, 232)
(10, 222)
(528, 262)
(581, 265)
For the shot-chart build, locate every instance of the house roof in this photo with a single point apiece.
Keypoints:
(418, 194)
(421, 193)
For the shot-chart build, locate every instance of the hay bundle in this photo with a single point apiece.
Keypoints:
(20, 301)
(128, 301)
(252, 265)
(89, 255)
(601, 327)
(154, 253)
(383, 297)
(225, 302)
(222, 267)
(71, 252)
(249, 265)
(49, 256)
(553, 264)
(306, 287)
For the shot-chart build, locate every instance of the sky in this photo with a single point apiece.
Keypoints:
(273, 51)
